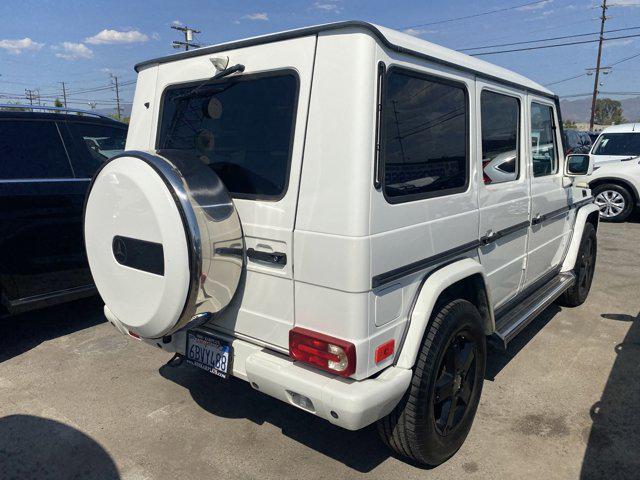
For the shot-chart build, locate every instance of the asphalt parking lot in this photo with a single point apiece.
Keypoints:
(78, 400)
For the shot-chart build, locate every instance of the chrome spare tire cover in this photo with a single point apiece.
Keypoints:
(163, 239)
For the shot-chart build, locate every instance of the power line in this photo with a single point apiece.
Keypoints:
(540, 47)
(545, 39)
(565, 80)
(625, 59)
(482, 14)
(585, 74)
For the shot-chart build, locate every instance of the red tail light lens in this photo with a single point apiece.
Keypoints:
(322, 351)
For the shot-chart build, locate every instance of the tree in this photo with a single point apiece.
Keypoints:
(57, 103)
(570, 124)
(608, 111)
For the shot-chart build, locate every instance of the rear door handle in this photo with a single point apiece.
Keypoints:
(537, 219)
(277, 258)
(488, 237)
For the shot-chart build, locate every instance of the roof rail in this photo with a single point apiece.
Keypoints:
(45, 109)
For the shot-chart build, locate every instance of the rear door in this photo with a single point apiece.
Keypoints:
(550, 198)
(41, 248)
(250, 129)
(503, 189)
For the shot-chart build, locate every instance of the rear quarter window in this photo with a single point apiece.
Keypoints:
(241, 127)
(425, 136)
(32, 149)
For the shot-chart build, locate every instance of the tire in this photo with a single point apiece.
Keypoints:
(584, 269)
(614, 201)
(418, 428)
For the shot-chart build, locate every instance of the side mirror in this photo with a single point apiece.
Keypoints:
(578, 164)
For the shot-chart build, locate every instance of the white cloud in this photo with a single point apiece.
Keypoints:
(260, 16)
(177, 23)
(155, 36)
(107, 36)
(73, 51)
(547, 12)
(626, 3)
(328, 6)
(535, 6)
(416, 32)
(618, 43)
(16, 47)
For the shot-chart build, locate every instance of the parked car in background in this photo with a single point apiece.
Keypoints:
(616, 188)
(617, 142)
(47, 158)
(361, 288)
(576, 141)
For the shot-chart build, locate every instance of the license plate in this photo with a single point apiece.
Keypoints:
(208, 352)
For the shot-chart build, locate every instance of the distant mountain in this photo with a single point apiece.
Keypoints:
(580, 109)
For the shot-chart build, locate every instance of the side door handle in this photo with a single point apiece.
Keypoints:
(537, 219)
(277, 258)
(488, 237)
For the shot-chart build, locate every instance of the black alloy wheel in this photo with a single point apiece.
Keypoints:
(456, 380)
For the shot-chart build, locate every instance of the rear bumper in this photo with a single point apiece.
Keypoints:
(348, 403)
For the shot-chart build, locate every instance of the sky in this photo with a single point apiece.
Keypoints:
(83, 43)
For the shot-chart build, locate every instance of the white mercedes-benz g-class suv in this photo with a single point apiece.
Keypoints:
(309, 211)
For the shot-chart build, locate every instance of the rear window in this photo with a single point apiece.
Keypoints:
(32, 149)
(618, 144)
(241, 127)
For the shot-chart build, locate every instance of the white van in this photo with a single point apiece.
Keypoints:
(308, 211)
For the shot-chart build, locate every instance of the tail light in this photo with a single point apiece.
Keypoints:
(322, 351)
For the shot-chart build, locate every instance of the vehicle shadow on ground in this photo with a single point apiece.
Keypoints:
(497, 358)
(36, 447)
(361, 450)
(613, 445)
(21, 333)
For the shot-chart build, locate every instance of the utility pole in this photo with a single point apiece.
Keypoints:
(115, 79)
(64, 94)
(594, 99)
(188, 37)
(30, 95)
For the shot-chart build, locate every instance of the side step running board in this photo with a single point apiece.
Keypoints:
(512, 322)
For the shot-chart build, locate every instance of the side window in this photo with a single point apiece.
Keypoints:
(32, 149)
(544, 153)
(425, 144)
(500, 119)
(95, 144)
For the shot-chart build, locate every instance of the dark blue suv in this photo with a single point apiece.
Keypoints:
(47, 158)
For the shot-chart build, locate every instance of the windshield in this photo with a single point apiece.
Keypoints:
(241, 127)
(618, 144)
